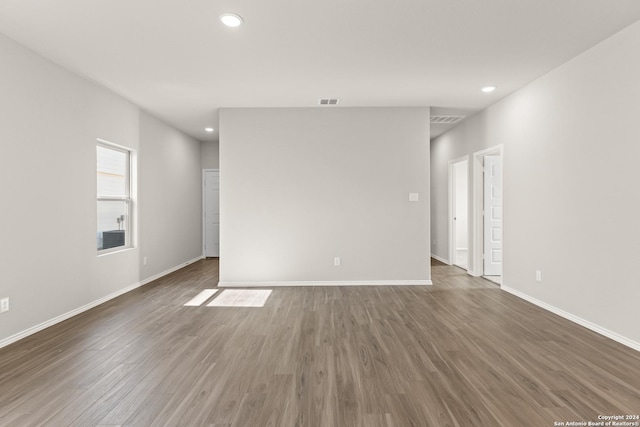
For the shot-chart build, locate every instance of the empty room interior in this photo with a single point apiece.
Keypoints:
(408, 213)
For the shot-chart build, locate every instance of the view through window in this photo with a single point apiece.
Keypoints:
(114, 197)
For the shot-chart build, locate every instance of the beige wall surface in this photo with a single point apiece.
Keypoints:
(51, 120)
(301, 186)
(571, 198)
(170, 188)
(209, 155)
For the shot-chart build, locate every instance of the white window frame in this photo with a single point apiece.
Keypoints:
(128, 199)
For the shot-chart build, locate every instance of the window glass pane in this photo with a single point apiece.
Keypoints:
(112, 172)
(112, 223)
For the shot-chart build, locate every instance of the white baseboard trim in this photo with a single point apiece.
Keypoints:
(65, 316)
(37, 328)
(434, 256)
(575, 319)
(326, 283)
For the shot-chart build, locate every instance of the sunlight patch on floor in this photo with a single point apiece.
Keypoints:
(241, 298)
(199, 299)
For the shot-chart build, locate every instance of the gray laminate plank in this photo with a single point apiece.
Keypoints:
(451, 354)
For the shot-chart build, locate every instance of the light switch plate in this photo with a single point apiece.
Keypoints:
(413, 197)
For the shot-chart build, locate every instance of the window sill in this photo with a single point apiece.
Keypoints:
(115, 250)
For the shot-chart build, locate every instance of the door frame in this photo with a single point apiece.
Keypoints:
(476, 262)
(452, 211)
(204, 207)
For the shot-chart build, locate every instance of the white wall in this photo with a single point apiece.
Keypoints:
(50, 121)
(170, 188)
(571, 146)
(209, 155)
(300, 186)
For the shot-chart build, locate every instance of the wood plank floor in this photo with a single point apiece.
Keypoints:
(458, 353)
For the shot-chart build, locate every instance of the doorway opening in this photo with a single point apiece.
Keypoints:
(459, 212)
(488, 179)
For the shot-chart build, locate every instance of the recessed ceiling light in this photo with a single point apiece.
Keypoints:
(231, 19)
(209, 129)
(488, 89)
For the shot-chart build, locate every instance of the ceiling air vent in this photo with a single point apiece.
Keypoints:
(328, 101)
(446, 120)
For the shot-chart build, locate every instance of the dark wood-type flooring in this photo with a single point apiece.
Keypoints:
(458, 353)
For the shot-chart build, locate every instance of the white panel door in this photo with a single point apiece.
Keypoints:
(211, 213)
(492, 216)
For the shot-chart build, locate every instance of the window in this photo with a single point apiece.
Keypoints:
(114, 197)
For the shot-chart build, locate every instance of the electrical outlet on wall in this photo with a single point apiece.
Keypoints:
(538, 276)
(336, 261)
(4, 305)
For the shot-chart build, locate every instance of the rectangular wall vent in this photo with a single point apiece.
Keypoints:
(447, 120)
(328, 101)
